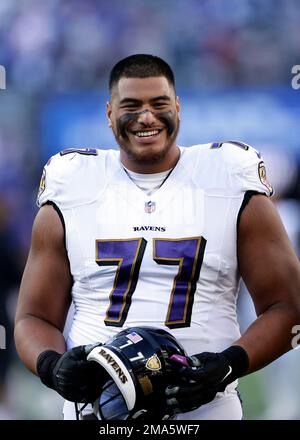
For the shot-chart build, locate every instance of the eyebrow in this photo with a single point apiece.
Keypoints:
(161, 98)
(138, 101)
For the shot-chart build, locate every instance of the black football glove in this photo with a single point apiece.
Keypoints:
(71, 375)
(202, 376)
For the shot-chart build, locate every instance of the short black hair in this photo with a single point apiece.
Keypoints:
(140, 66)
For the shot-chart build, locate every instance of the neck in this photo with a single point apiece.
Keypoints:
(168, 162)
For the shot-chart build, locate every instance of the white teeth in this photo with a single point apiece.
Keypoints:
(147, 133)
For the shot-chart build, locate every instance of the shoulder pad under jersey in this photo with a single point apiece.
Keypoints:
(246, 163)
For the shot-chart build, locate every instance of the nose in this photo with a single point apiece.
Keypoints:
(146, 117)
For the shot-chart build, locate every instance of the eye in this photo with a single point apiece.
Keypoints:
(160, 105)
(130, 107)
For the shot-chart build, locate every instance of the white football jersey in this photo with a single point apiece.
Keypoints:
(167, 260)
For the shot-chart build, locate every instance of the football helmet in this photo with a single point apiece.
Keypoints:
(136, 360)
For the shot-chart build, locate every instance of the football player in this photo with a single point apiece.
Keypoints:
(156, 234)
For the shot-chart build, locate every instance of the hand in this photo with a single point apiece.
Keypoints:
(71, 375)
(202, 376)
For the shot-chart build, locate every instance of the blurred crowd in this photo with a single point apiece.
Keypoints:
(69, 46)
(59, 45)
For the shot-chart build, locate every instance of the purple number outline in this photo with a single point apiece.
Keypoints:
(127, 254)
(188, 254)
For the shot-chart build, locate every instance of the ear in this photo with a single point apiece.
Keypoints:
(177, 104)
(108, 114)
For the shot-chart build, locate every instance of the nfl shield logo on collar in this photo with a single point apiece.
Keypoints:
(149, 207)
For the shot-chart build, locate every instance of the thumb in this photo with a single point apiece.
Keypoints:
(88, 348)
(78, 353)
(179, 359)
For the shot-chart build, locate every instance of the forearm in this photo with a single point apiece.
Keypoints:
(269, 336)
(33, 336)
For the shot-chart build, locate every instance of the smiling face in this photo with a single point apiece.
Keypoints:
(144, 116)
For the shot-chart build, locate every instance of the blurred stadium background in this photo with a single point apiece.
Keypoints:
(232, 60)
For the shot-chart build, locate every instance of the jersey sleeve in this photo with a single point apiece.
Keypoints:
(73, 177)
(50, 183)
(68, 178)
(248, 166)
